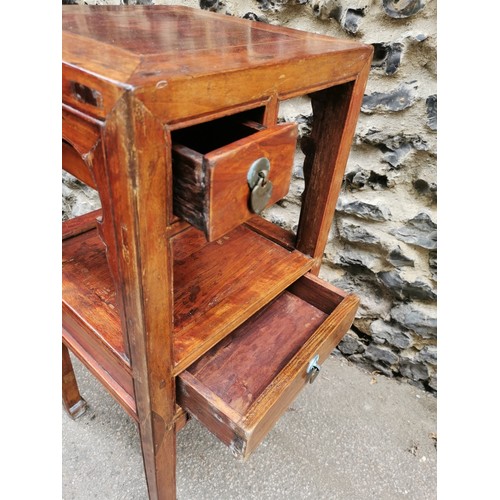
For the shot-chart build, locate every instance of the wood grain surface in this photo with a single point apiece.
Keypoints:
(210, 171)
(157, 49)
(243, 385)
(241, 366)
(144, 296)
(73, 402)
(213, 295)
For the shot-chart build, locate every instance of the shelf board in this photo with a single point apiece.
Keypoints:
(217, 286)
(225, 282)
(88, 292)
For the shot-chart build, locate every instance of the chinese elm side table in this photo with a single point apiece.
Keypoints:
(177, 295)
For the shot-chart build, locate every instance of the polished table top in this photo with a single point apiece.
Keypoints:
(184, 40)
(186, 62)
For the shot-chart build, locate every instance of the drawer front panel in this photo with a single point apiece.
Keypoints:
(211, 191)
(88, 93)
(241, 388)
(227, 169)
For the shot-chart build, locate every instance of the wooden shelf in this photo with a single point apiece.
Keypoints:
(212, 296)
(92, 326)
(88, 291)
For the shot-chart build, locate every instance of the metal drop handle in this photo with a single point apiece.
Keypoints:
(313, 369)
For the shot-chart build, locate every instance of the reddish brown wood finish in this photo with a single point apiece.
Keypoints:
(242, 386)
(132, 77)
(211, 190)
(74, 404)
(104, 371)
(79, 130)
(79, 225)
(140, 217)
(272, 232)
(270, 338)
(213, 295)
(278, 396)
(89, 295)
(319, 293)
(200, 48)
(73, 163)
(227, 170)
(335, 112)
(109, 381)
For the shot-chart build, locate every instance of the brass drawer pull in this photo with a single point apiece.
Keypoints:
(313, 369)
(260, 185)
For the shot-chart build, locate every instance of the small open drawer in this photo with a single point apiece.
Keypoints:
(240, 388)
(211, 163)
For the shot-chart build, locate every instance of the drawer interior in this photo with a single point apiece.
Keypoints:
(208, 136)
(245, 363)
(240, 387)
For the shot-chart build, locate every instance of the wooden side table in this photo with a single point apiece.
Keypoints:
(177, 295)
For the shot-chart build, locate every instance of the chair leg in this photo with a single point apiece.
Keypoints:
(73, 402)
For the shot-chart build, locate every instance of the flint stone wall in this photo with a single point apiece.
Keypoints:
(383, 243)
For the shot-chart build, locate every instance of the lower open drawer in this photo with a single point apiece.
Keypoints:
(241, 387)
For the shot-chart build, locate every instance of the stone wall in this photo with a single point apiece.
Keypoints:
(382, 244)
